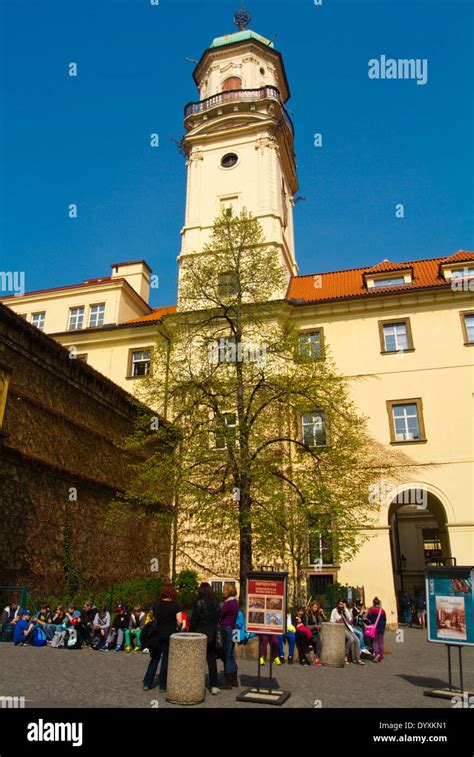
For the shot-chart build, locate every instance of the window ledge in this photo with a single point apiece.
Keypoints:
(397, 352)
(132, 378)
(411, 441)
(469, 344)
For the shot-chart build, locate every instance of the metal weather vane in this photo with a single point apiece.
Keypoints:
(242, 18)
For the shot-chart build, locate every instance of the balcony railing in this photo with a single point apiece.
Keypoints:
(236, 96)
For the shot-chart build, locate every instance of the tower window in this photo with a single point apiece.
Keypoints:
(233, 82)
(229, 160)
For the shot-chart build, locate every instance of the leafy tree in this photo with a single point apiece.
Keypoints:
(187, 585)
(236, 381)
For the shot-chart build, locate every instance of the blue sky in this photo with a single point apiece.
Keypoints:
(85, 140)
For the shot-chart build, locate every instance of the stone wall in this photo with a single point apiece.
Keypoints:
(62, 464)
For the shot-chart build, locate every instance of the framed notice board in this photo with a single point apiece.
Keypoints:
(450, 605)
(266, 607)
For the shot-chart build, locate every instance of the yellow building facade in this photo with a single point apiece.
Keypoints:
(401, 332)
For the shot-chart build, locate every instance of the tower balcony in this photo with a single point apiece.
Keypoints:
(231, 98)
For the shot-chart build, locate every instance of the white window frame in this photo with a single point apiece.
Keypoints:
(145, 361)
(305, 343)
(218, 432)
(469, 327)
(389, 281)
(394, 327)
(313, 424)
(42, 318)
(76, 317)
(463, 273)
(406, 435)
(95, 310)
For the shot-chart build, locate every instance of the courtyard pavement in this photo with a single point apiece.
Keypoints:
(55, 678)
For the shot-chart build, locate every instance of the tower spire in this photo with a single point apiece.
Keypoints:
(242, 18)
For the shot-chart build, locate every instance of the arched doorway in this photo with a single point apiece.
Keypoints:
(418, 537)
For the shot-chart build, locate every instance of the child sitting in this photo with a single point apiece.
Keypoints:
(101, 626)
(185, 624)
(135, 626)
(290, 638)
(303, 639)
(24, 630)
(71, 619)
(117, 630)
(273, 641)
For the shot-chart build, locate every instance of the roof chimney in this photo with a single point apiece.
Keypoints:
(137, 273)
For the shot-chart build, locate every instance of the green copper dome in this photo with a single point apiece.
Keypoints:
(229, 39)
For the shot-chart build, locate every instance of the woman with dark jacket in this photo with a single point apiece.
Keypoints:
(167, 621)
(204, 620)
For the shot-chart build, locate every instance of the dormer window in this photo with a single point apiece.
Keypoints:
(392, 281)
(385, 279)
(463, 273)
(457, 271)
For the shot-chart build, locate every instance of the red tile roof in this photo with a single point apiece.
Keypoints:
(387, 265)
(155, 316)
(340, 285)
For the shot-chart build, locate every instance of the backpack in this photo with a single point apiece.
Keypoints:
(58, 639)
(39, 638)
(149, 631)
(97, 642)
(73, 640)
(7, 632)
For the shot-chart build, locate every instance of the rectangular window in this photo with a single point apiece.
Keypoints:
(139, 363)
(406, 421)
(225, 432)
(393, 281)
(313, 429)
(227, 350)
(395, 336)
(310, 344)
(432, 546)
(320, 540)
(463, 273)
(218, 584)
(38, 319)
(97, 315)
(467, 321)
(230, 205)
(227, 284)
(76, 318)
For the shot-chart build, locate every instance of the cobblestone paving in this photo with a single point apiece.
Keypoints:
(84, 678)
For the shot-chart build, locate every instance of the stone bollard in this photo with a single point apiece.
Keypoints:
(248, 651)
(187, 668)
(333, 639)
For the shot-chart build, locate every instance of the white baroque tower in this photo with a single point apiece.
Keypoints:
(240, 144)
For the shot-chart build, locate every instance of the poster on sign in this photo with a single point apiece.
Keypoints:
(266, 602)
(450, 605)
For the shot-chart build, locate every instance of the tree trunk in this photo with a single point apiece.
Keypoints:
(245, 528)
